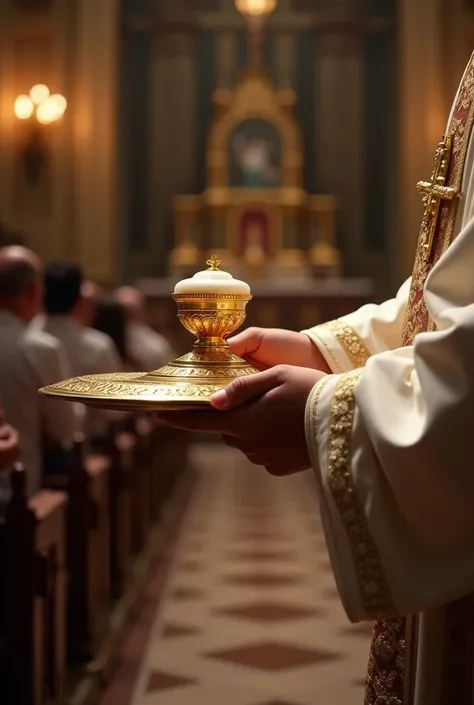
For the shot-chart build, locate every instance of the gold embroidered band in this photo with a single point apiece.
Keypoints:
(373, 586)
(352, 344)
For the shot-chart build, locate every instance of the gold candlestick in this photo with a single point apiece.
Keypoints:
(212, 306)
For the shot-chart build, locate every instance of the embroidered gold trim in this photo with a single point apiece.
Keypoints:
(392, 664)
(417, 318)
(311, 429)
(352, 344)
(373, 586)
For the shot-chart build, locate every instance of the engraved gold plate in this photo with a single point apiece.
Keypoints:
(189, 381)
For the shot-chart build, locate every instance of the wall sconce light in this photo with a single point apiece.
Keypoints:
(38, 108)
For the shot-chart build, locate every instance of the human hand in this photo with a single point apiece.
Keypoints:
(261, 415)
(267, 347)
(9, 446)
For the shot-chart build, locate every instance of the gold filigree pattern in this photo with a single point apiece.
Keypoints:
(122, 391)
(113, 388)
(311, 424)
(417, 318)
(373, 586)
(217, 324)
(212, 297)
(204, 372)
(385, 684)
(392, 664)
(349, 340)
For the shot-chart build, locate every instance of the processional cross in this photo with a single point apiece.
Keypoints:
(434, 192)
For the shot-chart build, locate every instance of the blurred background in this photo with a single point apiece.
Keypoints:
(137, 138)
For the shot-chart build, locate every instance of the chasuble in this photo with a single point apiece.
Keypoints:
(390, 439)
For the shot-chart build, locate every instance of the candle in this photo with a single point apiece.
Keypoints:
(212, 281)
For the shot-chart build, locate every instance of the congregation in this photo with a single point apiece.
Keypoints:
(70, 501)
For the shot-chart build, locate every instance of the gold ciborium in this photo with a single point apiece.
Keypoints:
(211, 305)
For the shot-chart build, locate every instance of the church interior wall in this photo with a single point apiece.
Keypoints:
(139, 76)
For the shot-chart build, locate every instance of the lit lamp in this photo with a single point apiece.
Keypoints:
(256, 13)
(39, 107)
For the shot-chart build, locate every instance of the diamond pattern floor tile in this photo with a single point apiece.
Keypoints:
(260, 580)
(251, 615)
(268, 612)
(274, 657)
(173, 630)
(164, 681)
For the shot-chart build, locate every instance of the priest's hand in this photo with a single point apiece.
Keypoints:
(261, 415)
(267, 347)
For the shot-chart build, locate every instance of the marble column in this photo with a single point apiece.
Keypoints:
(339, 124)
(95, 138)
(423, 112)
(173, 119)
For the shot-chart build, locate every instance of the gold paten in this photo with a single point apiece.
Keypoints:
(186, 383)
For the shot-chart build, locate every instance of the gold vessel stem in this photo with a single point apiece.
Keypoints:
(211, 343)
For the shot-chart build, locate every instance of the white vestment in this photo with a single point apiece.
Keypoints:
(30, 359)
(389, 435)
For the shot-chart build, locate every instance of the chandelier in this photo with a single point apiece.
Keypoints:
(255, 8)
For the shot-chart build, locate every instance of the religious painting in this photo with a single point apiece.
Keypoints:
(255, 155)
(253, 242)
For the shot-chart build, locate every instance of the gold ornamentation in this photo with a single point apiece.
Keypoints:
(205, 324)
(417, 318)
(392, 681)
(385, 683)
(352, 344)
(211, 297)
(434, 192)
(373, 586)
(171, 371)
(188, 382)
(213, 263)
(311, 424)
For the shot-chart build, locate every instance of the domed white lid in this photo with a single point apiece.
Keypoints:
(212, 281)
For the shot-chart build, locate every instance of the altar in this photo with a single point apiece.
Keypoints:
(255, 213)
(276, 304)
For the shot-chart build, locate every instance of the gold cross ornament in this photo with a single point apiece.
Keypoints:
(434, 193)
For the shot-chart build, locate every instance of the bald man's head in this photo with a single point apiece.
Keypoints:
(20, 281)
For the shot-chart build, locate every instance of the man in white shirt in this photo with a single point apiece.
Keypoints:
(88, 351)
(30, 359)
(145, 347)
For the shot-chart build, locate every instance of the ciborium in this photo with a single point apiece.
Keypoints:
(211, 305)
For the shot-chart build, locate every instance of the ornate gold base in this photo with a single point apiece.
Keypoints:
(186, 383)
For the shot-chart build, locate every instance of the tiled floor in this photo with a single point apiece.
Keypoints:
(250, 615)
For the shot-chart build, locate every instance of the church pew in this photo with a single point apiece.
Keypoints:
(87, 486)
(121, 447)
(34, 556)
(170, 459)
(142, 483)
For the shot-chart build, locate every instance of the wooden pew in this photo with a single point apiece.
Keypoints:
(142, 483)
(88, 537)
(121, 447)
(34, 557)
